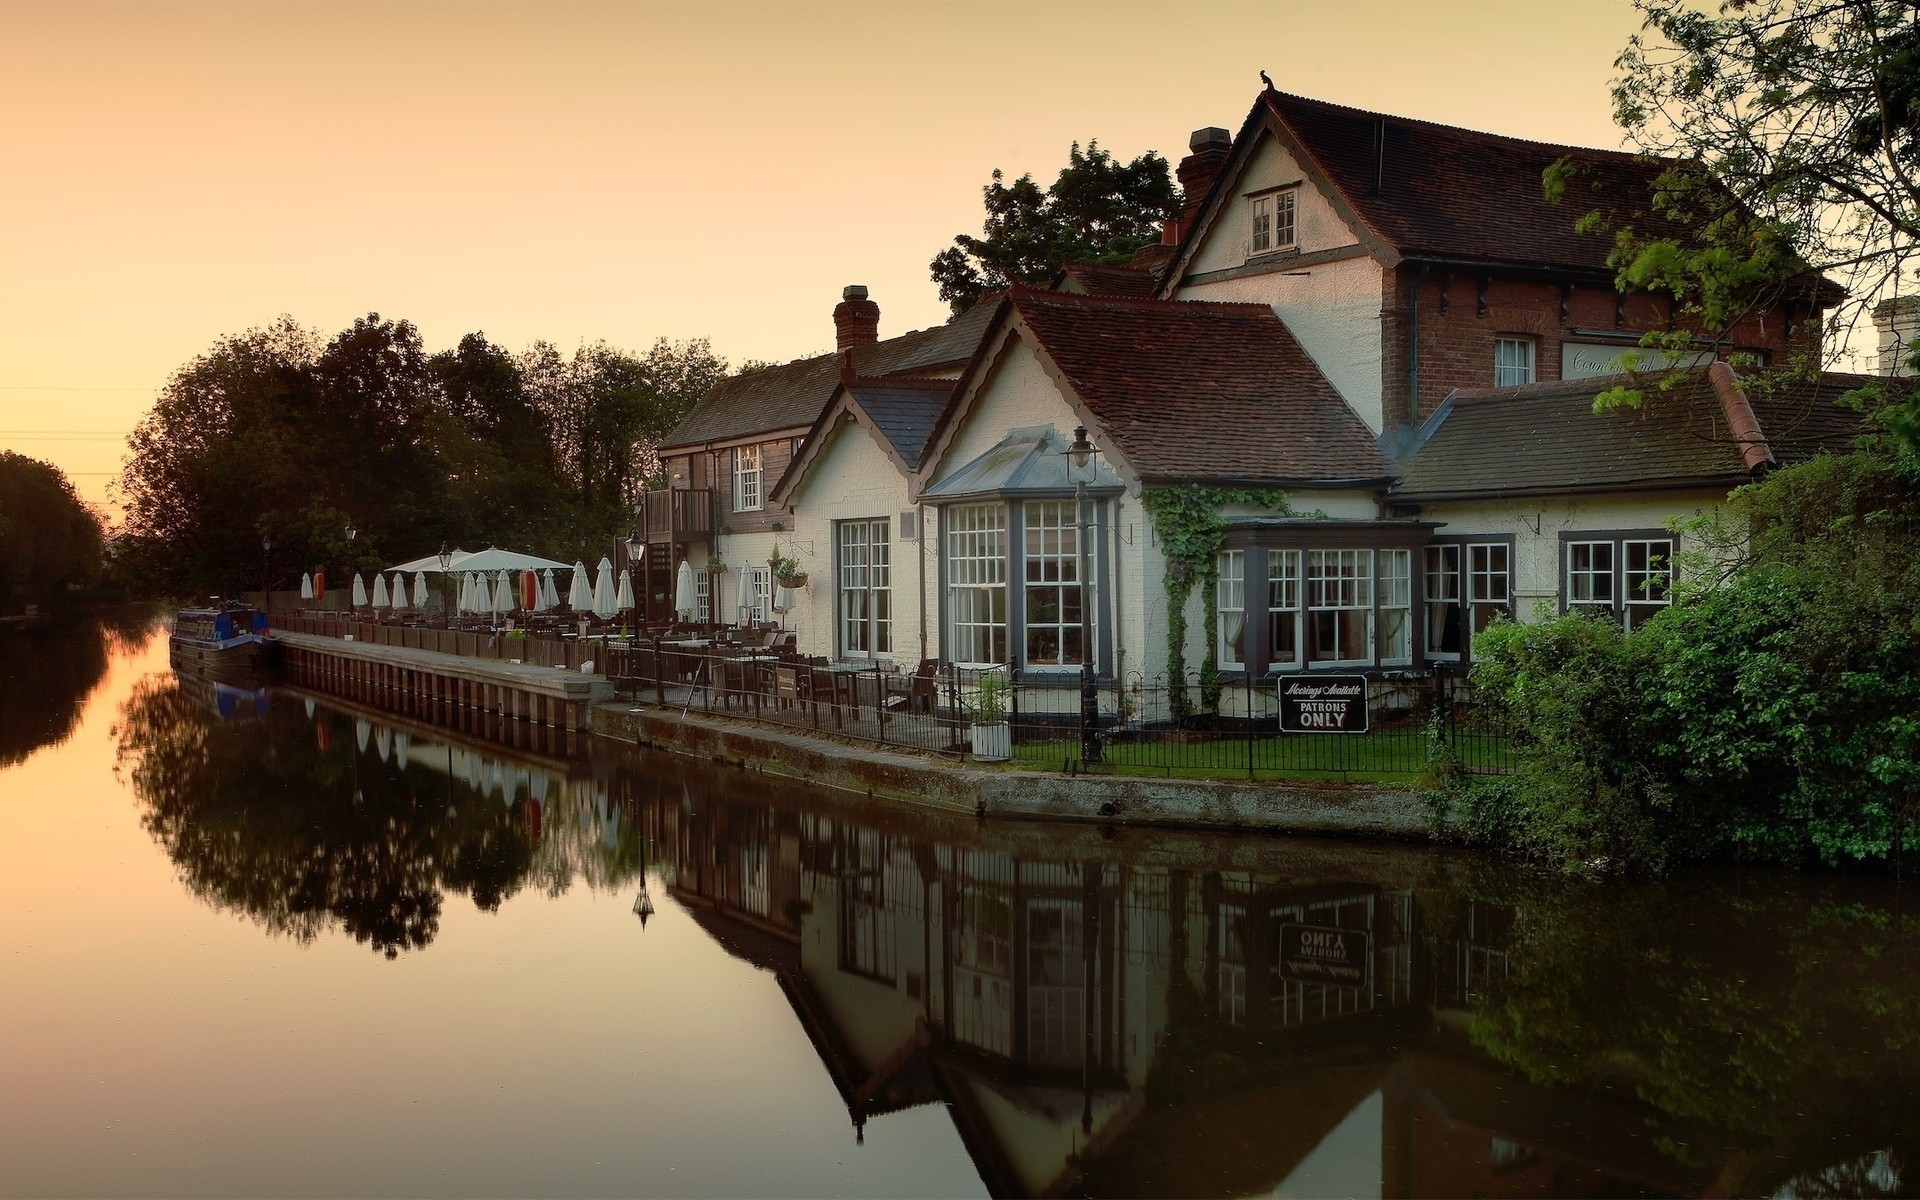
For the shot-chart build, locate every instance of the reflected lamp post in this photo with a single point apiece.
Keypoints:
(1080, 468)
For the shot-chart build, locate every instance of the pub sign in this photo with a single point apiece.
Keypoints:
(1323, 704)
(1323, 954)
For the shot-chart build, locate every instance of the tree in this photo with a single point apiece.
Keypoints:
(1791, 130)
(1097, 209)
(49, 538)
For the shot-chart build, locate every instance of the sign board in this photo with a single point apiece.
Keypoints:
(1323, 704)
(1585, 360)
(1324, 954)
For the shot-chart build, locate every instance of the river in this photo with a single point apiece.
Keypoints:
(276, 945)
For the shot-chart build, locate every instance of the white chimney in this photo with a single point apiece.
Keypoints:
(1897, 321)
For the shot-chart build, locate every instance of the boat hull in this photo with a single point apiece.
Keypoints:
(247, 658)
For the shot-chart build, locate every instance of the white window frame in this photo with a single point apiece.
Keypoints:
(748, 496)
(1489, 590)
(1515, 361)
(1637, 600)
(1050, 564)
(1284, 588)
(1596, 599)
(702, 594)
(1230, 609)
(1395, 565)
(1340, 582)
(864, 598)
(1443, 591)
(758, 600)
(1286, 219)
(1259, 225)
(1273, 222)
(975, 553)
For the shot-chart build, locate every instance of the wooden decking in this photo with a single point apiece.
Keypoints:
(433, 685)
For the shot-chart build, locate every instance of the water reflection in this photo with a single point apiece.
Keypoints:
(1130, 1015)
(50, 671)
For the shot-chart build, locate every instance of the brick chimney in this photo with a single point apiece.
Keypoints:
(1209, 150)
(856, 319)
(1897, 321)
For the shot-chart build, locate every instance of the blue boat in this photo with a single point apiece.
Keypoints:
(233, 642)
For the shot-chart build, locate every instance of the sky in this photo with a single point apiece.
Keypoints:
(171, 173)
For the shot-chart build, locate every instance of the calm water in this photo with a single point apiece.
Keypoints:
(274, 945)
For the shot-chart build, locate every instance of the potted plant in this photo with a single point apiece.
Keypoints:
(786, 571)
(992, 739)
(716, 564)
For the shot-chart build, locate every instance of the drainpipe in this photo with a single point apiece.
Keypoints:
(1413, 347)
(1113, 585)
(922, 523)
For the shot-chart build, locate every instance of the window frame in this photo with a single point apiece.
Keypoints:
(951, 588)
(1367, 605)
(876, 622)
(743, 474)
(702, 594)
(1223, 610)
(1296, 579)
(1617, 541)
(1532, 366)
(1065, 521)
(1274, 214)
(1463, 546)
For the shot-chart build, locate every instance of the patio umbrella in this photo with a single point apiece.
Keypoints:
(529, 585)
(684, 598)
(470, 594)
(623, 595)
(603, 606)
(380, 592)
(319, 585)
(419, 589)
(549, 595)
(306, 587)
(503, 597)
(399, 590)
(464, 601)
(359, 591)
(580, 593)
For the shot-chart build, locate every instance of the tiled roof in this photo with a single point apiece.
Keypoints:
(1101, 279)
(1546, 438)
(1201, 390)
(904, 410)
(792, 395)
(1461, 194)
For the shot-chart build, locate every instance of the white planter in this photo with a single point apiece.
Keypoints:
(993, 743)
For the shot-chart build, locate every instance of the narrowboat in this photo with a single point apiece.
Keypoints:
(229, 643)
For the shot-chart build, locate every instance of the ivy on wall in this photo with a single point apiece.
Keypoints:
(1192, 531)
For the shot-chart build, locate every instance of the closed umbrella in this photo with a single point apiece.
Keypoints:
(359, 591)
(603, 589)
(419, 589)
(503, 598)
(549, 595)
(306, 587)
(470, 597)
(380, 592)
(529, 584)
(684, 598)
(465, 601)
(623, 595)
(580, 593)
(399, 590)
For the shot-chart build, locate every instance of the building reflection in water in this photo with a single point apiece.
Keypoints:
(1162, 1015)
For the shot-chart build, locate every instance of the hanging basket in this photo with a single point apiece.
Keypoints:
(793, 579)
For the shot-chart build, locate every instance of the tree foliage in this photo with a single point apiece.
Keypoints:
(1098, 208)
(49, 538)
(278, 434)
(1791, 130)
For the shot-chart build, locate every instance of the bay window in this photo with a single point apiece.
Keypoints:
(977, 583)
(1230, 599)
(1340, 605)
(1051, 566)
(1396, 607)
(1283, 609)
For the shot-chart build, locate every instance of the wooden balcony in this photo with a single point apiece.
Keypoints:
(676, 515)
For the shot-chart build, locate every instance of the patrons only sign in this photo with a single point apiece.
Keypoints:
(1324, 955)
(1323, 704)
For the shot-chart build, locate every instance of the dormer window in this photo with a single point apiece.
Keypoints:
(1273, 221)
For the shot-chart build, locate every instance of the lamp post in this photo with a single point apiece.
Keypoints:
(635, 546)
(1080, 463)
(266, 573)
(446, 565)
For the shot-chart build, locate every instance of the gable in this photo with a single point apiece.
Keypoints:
(1018, 392)
(850, 461)
(1227, 239)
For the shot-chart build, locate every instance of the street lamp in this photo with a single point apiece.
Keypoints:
(446, 565)
(636, 545)
(1080, 468)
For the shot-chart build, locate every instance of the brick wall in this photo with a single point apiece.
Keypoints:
(1457, 344)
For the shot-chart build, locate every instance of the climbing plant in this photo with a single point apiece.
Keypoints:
(1192, 530)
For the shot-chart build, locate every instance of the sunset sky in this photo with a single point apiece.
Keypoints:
(171, 173)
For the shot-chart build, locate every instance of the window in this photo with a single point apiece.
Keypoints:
(756, 603)
(1512, 361)
(1648, 578)
(1230, 599)
(746, 478)
(1340, 605)
(1443, 602)
(866, 589)
(1273, 222)
(1052, 591)
(1396, 607)
(1489, 583)
(702, 594)
(1590, 578)
(977, 583)
(1283, 609)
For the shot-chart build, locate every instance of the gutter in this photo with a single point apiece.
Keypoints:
(1584, 489)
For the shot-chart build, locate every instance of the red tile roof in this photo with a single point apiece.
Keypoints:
(1103, 279)
(1200, 390)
